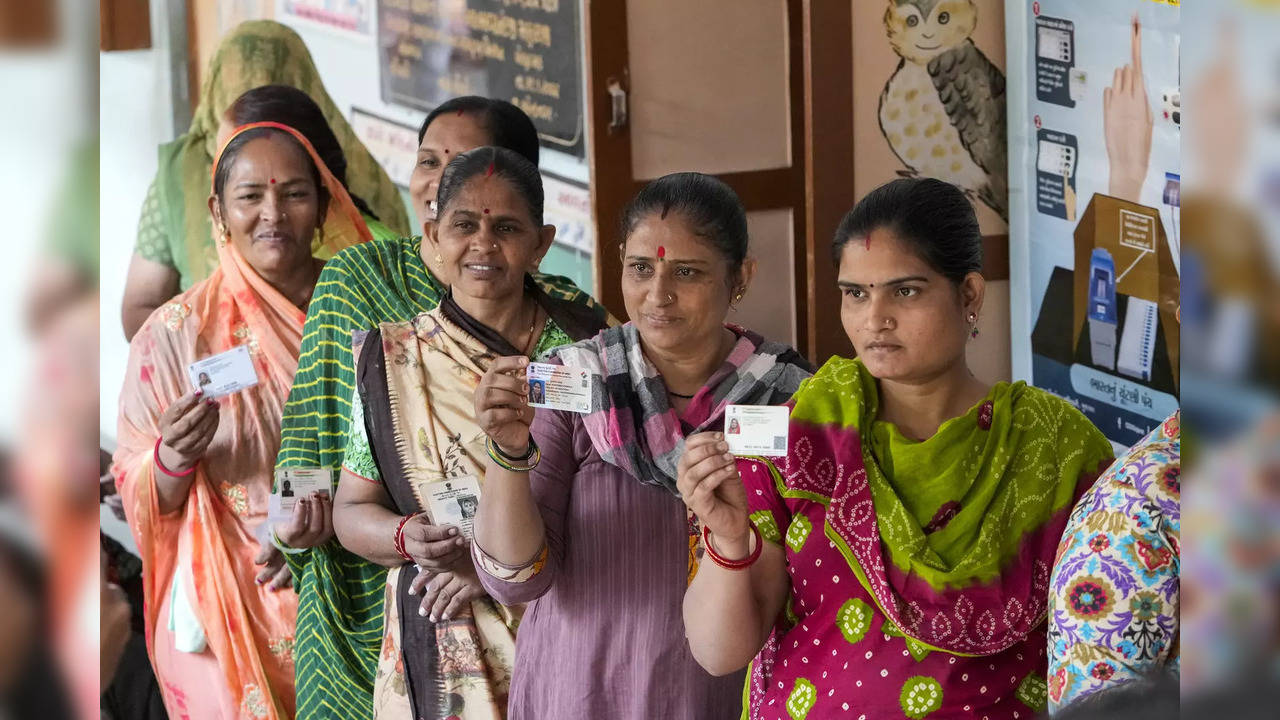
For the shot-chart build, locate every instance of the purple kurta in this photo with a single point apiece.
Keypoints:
(604, 636)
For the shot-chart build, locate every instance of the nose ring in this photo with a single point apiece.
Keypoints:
(671, 297)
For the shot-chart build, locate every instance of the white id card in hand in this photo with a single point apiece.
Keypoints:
(224, 373)
(756, 429)
(454, 501)
(295, 483)
(559, 387)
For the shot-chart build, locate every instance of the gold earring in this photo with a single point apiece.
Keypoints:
(439, 260)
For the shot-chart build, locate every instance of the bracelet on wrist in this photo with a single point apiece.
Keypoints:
(515, 464)
(398, 538)
(727, 564)
(160, 466)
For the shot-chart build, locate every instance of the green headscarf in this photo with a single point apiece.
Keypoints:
(256, 53)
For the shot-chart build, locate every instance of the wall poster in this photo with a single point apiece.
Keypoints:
(350, 15)
(525, 51)
(1094, 116)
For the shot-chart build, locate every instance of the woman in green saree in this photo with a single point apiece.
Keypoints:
(340, 594)
(895, 561)
(175, 247)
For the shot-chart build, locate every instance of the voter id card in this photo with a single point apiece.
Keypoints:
(295, 483)
(454, 501)
(756, 429)
(224, 373)
(559, 387)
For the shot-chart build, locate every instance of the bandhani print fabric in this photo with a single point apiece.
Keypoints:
(1114, 593)
(912, 599)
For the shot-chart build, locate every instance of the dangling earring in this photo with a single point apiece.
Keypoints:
(973, 320)
(224, 236)
(737, 298)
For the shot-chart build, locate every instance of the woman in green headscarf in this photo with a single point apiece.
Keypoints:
(175, 241)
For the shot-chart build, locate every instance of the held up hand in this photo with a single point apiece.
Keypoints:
(311, 524)
(502, 405)
(707, 476)
(186, 429)
(1127, 124)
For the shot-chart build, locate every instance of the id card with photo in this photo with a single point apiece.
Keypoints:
(454, 501)
(224, 373)
(559, 387)
(295, 483)
(756, 429)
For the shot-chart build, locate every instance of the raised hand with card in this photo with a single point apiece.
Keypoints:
(187, 427)
(502, 405)
(710, 485)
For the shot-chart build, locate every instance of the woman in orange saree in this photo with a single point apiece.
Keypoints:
(195, 472)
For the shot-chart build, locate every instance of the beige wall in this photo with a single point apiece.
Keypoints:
(710, 87)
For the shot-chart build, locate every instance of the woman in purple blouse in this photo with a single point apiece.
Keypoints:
(581, 517)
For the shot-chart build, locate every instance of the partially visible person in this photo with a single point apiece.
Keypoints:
(895, 562)
(54, 452)
(31, 685)
(581, 515)
(413, 431)
(340, 621)
(195, 472)
(1113, 599)
(127, 683)
(175, 246)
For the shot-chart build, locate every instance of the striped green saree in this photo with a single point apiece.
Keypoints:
(340, 595)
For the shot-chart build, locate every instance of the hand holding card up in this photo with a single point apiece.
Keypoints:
(187, 427)
(502, 405)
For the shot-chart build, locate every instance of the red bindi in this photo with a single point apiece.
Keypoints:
(273, 181)
(662, 252)
(486, 211)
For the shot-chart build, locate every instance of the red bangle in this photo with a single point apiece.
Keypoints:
(398, 539)
(742, 564)
(156, 455)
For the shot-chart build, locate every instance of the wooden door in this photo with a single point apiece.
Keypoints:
(797, 195)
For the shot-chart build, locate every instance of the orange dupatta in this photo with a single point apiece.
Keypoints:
(249, 629)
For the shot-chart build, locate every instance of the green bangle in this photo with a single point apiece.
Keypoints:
(514, 464)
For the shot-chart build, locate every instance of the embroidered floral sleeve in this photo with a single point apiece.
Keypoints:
(1114, 593)
(358, 458)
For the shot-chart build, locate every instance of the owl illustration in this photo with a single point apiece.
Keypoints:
(943, 110)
